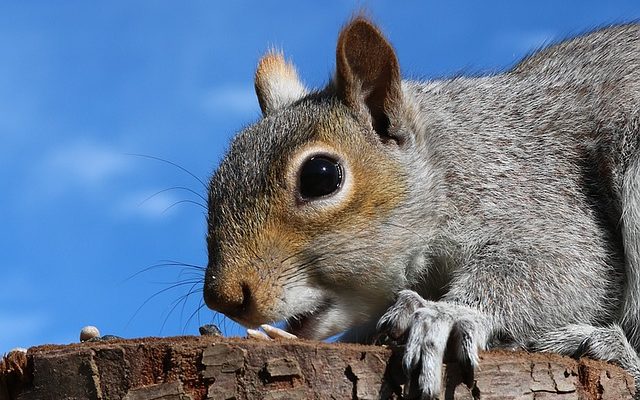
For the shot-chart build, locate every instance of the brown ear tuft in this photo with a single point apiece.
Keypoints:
(368, 76)
(276, 82)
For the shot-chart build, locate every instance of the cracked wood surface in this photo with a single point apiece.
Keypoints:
(198, 368)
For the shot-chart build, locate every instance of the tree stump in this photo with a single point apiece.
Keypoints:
(198, 368)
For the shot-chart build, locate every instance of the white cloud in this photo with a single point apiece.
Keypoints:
(87, 163)
(155, 203)
(80, 165)
(234, 99)
(92, 170)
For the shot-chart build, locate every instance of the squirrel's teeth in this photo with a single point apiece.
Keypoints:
(255, 334)
(277, 333)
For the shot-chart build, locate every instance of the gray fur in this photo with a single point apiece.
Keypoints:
(520, 221)
(607, 343)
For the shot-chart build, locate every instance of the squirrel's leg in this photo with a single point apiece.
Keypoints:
(427, 327)
(601, 343)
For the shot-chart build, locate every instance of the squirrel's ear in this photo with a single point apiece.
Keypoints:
(277, 83)
(368, 76)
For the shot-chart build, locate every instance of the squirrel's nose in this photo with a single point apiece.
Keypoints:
(230, 298)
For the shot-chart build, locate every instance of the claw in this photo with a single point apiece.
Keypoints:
(397, 319)
(426, 327)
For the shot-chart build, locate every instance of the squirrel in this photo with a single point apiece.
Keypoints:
(451, 215)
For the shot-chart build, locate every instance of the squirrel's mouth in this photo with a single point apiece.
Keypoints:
(304, 325)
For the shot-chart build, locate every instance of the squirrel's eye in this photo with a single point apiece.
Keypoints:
(319, 176)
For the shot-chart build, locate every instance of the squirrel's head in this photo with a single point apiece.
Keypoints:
(303, 221)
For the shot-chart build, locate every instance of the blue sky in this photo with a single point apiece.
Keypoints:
(85, 84)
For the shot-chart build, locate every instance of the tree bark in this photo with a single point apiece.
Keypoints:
(197, 368)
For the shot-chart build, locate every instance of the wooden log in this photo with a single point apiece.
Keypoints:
(198, 368)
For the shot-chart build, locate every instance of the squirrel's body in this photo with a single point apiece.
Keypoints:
(530, 168)
(508, 204)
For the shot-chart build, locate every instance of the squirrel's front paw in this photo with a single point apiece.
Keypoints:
(426, 327)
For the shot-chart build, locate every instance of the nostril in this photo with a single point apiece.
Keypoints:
(246, 297)
(232, 300)
(240, 304)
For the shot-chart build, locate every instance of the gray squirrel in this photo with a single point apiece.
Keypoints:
(493, 211)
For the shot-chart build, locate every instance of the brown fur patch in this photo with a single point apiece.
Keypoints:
(375, 190)
(371, 169)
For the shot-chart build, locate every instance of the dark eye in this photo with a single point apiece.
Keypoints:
(319, 176)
